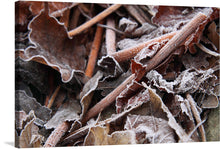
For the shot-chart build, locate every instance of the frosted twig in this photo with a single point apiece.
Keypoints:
(196, 115)
(94, 20)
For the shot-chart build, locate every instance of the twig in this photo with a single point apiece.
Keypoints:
(206, 50)
(107, 100)
(134, 12)
(110, 37)
(53, 97)
(129, 53)
(94, 20)
(101, 25)
(161, 55)
(55, 136)
(65, 17)
(59, 13)
(94, 51)
(74, 19)
(197, 116)
(173, 43)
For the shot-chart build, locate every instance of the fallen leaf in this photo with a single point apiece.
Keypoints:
(29, 136)
(59, 51)
(99, 136)
(189, 80)
(26, 103)
(69, 111)
(88, 91)
(149, 129)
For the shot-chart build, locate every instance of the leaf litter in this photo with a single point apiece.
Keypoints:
(122, 102)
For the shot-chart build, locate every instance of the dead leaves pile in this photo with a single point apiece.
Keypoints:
(169, 104)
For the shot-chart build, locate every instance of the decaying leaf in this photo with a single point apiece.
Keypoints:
(123, 102)
(99, 136)
(128, 25)
(189, 80)
(69, 111)
(149, 129)
(53, 46)
(29, 136)
(88, 91)
(20, 116)
(26, 103)
(110, 67)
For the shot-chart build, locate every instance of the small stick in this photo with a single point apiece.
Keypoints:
(94, 52)
(173, 43)
(134, 12)
(107, 100)
(52, 98)
(55, 136)
(161, 55)
(129, 53)
(94, 20)
(110, 37)
(59, 13)
(74, 19)
(196, 115)
(65, 18)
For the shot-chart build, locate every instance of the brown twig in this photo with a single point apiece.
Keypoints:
(129, 53)
(134, 12)
(65, 17)
(52, 98)
(55, 136)
(180, 37)
(173, 43)
(59, 13)
(94, 20)
(94, 51)
(74, 19)
(196, 115)
(107, 100)
(110, 37)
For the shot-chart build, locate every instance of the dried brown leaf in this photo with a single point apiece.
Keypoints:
(88, 91)
(150, 129)
(29, 136)
(26, 103)
(99, 136)
(53, 47)
(189, 80)
(69, 111)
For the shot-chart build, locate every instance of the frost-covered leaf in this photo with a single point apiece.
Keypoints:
(128, 25)
(88, 91)
(69, 111)
(189, 80)
(150, 129)
(197, 61)
(53, 47)
(110, 67)
(20, 116)
(129, 98)
(29, 136)
(158, 103)
(99, 136)
(26, 103)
